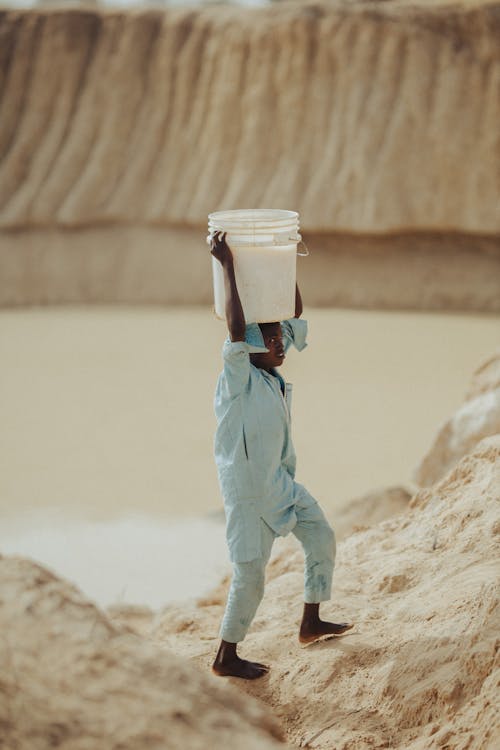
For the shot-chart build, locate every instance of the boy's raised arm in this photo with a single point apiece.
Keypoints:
(234, 311)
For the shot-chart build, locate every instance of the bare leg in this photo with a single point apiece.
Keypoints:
(228, 664)
(312, 628)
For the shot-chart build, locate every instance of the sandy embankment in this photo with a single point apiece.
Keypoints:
(71, 679)
(121, 121)
(377, 121)
(419, 672)
(420, 669)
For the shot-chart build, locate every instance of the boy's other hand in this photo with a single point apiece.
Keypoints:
(220, 248)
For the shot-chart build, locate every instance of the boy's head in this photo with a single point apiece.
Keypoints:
(273, 340)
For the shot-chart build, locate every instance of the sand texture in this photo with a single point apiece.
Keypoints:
(365, 117)
(70, 679)
(418, 576)
(486, 377)
(477, 418)
(420, 669)
(418, 672)
(377, 121)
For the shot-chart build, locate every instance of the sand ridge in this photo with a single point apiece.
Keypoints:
(477, 418)
(69, 678)
(420, 668)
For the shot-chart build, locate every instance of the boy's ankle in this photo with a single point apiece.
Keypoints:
(226, 653)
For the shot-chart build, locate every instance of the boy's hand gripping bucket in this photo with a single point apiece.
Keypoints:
(264, 246)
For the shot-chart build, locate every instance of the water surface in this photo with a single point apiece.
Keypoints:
(106, 430)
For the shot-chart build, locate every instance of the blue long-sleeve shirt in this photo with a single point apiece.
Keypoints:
(253, 445)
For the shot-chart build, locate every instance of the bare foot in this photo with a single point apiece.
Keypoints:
(228, 664)
(313, 631)
(247, 670)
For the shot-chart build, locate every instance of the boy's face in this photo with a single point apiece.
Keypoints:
(273, 340)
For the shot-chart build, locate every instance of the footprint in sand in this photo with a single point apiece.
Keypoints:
(393, 584)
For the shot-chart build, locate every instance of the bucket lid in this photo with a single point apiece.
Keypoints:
(254, 221)
(252, 215)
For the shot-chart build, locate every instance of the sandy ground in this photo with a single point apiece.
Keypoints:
(107, 417)
(420, 668)
(419, 671)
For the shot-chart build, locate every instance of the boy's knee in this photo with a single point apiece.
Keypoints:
(251, 577)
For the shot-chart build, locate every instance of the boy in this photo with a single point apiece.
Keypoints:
(256, 466)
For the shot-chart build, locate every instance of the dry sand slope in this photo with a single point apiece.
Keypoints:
(419, 671)
(70, 679)
(421, 668)
(477, 418)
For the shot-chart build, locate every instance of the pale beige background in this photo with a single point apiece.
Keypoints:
(108, 411)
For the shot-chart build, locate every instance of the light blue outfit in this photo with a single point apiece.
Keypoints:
(256, 465)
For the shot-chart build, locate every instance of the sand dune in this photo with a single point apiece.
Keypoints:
(71, 679)
(420, 670)
(477, 418)
(378, 122)
(486, 377)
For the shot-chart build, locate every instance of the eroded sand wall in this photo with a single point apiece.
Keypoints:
(364, 118)
(368, 118)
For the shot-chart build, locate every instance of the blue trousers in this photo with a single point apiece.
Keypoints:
(247, 583)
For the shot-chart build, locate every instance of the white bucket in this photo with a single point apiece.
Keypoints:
(264, 247)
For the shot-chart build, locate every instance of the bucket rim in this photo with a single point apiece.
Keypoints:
(256, 241)
(251, 215)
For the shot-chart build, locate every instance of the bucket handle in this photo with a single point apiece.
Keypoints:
(301, 242)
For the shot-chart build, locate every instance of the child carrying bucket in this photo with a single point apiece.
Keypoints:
(256, 467)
